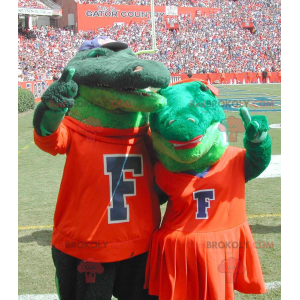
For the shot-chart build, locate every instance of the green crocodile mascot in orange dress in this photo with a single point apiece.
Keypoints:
(204, 249)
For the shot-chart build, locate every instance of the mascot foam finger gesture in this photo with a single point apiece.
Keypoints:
(107, 208)
(204, 249)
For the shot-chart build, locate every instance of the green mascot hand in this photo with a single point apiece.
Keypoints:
(60, 95)
(56, 101)
(256, 127)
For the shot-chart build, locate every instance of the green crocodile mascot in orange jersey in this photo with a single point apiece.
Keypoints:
(107, 209)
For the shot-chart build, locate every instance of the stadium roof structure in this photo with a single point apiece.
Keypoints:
(50, 9)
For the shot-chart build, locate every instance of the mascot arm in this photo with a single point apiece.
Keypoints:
(56, 143)
(257, 143)
(45, 120)
(56, 101)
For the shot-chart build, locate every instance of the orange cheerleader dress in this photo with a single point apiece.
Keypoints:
(204, 249)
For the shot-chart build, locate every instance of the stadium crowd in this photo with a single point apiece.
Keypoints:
(31, 4)
(204, 44)
(183, 3)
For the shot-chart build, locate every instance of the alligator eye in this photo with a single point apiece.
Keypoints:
(192, 120)
(203, 88)
(170, 122)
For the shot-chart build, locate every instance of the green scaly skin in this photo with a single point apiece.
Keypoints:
(106, 85)
(193, 111)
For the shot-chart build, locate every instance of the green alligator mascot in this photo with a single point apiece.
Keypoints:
(204, 249)
(97, 114)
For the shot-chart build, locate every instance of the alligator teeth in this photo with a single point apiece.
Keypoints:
(102, 85)
(128, 89)
(133, 90)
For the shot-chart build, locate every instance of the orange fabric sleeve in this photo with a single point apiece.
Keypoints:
(56, 143)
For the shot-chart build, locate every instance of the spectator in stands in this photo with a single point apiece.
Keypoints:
(269, 76)
(264, 76)
(258, 76)
(279, 75)
(209, 78)
(235, 76)
(31, 4)
(223, 77)
(20, 28)
(248, 77)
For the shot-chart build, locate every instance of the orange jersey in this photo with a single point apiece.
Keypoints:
(106, 208)
(204, 248)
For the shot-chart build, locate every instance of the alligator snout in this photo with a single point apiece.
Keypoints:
(118, 70)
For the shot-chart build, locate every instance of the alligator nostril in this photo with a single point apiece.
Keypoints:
(203, 88)
(170, 122)
(192, 120)
(138, 68)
